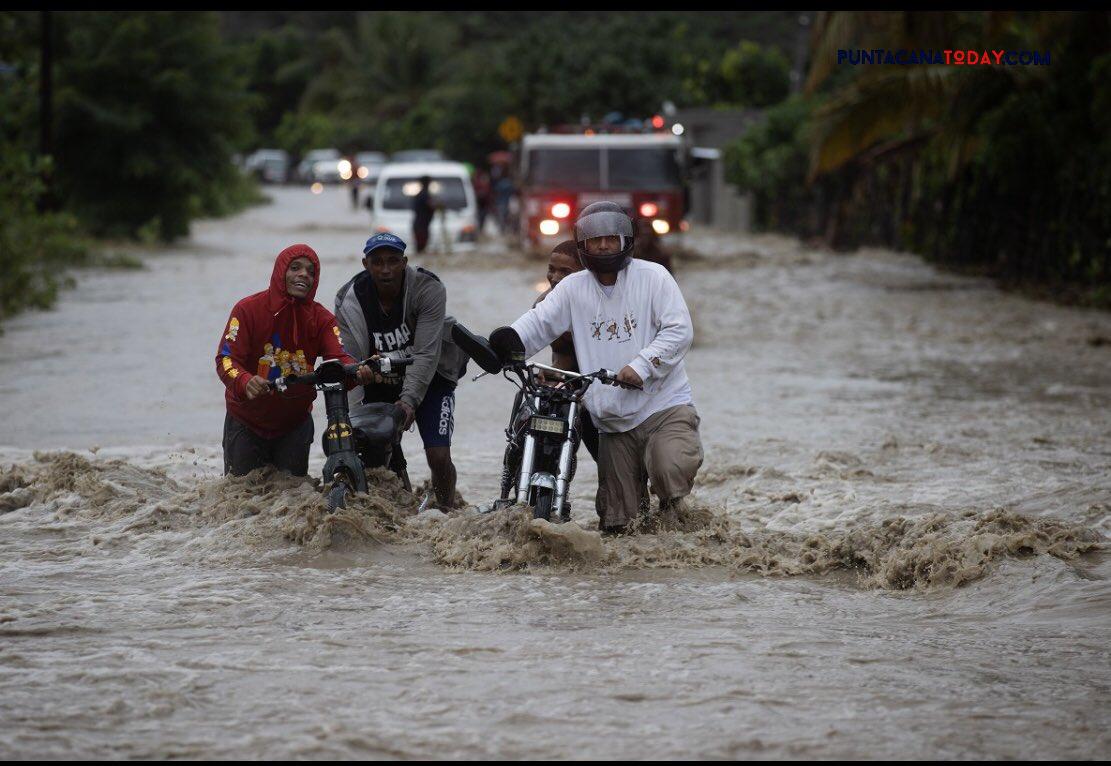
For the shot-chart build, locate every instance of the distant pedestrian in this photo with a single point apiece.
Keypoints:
(423, 211)
(354, 192)
(503, 193)
(484, 197)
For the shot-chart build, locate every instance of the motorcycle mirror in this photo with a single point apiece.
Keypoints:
(477, 348)
(330, 372)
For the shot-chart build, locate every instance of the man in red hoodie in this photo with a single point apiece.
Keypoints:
(279, 331)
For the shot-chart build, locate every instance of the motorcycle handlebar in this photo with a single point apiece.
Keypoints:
(603, 375)
(383, 364)
(610, 377)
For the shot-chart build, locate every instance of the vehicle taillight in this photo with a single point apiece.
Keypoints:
(561, 210)
(649, 209)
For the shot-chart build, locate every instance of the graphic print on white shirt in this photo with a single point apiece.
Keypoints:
(622, 333)
(643, 324)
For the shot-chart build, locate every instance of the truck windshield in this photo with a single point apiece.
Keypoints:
(648, 168)
(574, 168)
(644, 168)
(446, 192)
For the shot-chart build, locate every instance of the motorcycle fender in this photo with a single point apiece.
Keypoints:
(541, 479)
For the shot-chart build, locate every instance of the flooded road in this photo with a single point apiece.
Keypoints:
(896, 550)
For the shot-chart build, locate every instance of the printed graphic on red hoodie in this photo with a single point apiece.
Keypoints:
(272, 334)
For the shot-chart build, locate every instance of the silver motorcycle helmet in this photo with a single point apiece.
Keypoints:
(604, 219)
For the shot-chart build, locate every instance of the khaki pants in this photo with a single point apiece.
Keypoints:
(665, 450)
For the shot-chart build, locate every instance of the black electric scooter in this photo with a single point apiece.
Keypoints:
(352, 446)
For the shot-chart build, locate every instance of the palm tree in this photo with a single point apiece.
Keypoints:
(886, 109)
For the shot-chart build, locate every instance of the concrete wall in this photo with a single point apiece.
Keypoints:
(713, 201)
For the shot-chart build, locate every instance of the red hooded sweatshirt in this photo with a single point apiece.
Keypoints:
(274, 334)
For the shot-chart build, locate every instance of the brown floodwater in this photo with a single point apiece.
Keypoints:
(896, 547)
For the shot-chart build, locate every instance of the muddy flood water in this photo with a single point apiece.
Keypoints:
(896, 547)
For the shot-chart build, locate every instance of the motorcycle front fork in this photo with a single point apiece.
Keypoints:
(566, 454)
(339, 441)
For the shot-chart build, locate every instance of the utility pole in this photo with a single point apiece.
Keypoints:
(46, 85)
(798, 68)
(47, 200)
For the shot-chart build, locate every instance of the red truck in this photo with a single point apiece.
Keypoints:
(562, 173)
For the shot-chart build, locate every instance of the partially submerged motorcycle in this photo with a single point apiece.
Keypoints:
(543, 433)
(352, 446)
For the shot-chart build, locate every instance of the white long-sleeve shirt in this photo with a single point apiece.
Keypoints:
(644, 323)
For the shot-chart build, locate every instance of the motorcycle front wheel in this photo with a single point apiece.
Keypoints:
(337, 494)
(542, 501)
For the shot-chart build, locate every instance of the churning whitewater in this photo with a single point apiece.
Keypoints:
(896, 547)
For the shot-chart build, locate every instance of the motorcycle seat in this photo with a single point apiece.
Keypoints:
(379, 423)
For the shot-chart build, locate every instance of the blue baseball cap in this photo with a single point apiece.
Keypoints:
(384, 239)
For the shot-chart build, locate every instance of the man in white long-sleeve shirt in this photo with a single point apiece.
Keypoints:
(626, 315)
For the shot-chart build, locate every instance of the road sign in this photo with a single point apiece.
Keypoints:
(511, 129)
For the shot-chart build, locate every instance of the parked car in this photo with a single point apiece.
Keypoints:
(321, 165)
(268, 165)
(368, 165)
(454, 226)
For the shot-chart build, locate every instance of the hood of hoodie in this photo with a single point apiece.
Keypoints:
(278, 295)
(278, 298)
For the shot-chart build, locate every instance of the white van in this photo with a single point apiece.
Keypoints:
(454, 225)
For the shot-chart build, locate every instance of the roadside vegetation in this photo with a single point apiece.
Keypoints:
(394, 80)
(149, 108)
(998, 170)
(1004, 171)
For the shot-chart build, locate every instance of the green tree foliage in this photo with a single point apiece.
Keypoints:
(1004, 169)
(19, 80)
(151, 107)
(394, 80)
(35, 248)
(755, 76)
(300, 132)
(557, 69)
(746, 75)
(771, 162)
(279, 72)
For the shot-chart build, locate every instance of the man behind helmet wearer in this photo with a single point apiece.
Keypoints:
(648, 245)
(564, 261)
(627, 315)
